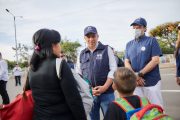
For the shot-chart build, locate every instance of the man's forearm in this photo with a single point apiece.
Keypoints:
(128, 65)
(108, 83)
(150, 66)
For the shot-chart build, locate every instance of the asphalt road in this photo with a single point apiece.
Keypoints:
(170, 91)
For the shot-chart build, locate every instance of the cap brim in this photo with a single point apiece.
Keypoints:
(137, 24)
(90, 32)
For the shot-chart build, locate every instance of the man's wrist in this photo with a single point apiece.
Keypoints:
(141, 74)
(136, 73)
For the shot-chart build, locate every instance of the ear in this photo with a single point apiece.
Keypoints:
(145, 29)
(114, 86)
(53, 45)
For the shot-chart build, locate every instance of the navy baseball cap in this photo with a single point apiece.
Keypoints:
(140, 21)
(90, 29)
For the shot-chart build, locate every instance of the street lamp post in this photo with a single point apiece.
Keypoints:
(14, 17)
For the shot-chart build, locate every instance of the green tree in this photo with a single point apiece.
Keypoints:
(70, 48)
(120, 54)
(11, 64)
(24, 52)
(166, 35)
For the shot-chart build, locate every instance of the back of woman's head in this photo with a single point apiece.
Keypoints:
(43, 40)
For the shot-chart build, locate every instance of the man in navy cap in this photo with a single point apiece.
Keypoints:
(142, 57)
(97, 64)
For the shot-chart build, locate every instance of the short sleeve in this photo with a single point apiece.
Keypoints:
(156, 50)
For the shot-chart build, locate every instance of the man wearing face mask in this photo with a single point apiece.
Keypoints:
(142, 57)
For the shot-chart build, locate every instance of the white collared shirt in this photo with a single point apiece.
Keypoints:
(17, 71)
(3, 70)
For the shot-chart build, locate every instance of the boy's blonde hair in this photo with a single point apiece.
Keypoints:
(125, 80)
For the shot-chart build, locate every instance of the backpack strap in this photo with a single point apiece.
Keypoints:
(141, 113)
(124, 104)
(158, 117)
(143, 101)
(58, 67)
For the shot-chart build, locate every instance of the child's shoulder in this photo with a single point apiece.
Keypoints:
(114, 112)
(113, 106)
(134, 100)
(133, 97)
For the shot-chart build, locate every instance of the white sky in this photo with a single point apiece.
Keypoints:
(112, 19)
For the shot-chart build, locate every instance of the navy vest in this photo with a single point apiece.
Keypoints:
(95, 66)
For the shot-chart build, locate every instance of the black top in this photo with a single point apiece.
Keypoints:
(55, 99)
(114, 112)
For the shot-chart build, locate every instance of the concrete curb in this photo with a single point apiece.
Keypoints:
(167, 65)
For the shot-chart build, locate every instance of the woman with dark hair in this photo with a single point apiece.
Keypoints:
(54, 99)
(177, 55)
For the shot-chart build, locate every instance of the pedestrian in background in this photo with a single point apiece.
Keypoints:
(177, 56)
(3, 80)
(17, 75)
(119, 61)
(67, 59)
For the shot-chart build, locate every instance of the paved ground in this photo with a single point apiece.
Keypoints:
(170, 90)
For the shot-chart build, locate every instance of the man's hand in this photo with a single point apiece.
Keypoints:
(178, 80)
(140, 81)
(98, 90)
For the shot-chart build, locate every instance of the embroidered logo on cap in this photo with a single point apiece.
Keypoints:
(89, 28)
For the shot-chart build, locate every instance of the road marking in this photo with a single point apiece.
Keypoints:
(167, 68)
(168, 74)
(170, 91)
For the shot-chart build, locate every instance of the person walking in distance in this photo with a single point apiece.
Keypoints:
(17, 74)
(177, 56)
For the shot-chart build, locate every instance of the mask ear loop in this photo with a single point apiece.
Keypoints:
(145, 29)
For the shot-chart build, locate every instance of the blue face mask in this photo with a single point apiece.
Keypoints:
(138, 33)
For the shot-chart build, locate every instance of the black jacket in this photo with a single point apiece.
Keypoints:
(55, 99)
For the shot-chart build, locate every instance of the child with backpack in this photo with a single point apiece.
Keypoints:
(129, 106)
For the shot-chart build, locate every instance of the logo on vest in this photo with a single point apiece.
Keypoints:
(143, 48)
(99, 56)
